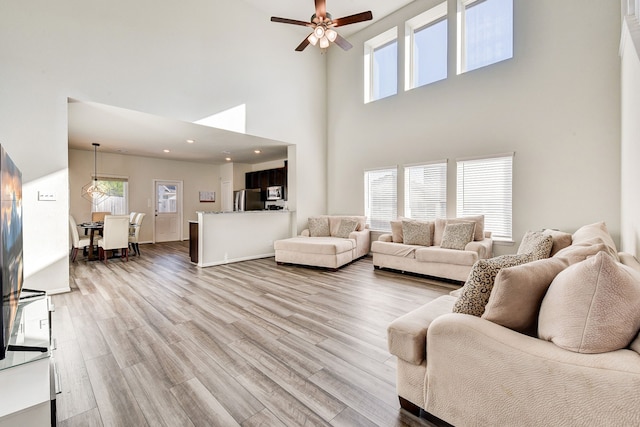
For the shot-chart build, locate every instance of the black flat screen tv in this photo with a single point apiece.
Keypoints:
(11, 265)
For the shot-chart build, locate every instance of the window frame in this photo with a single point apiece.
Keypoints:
(505, 233)
(442, 189)
(463, 6)
(370, 46)
(374, 220)
(418, 23)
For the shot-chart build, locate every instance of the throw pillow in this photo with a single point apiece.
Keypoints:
(537, 244)
(592, 306)
(476, 290)
(457, 235)
(561, 240)
(347, 226)
(396, 231)
(319, 226)
(635, 345)
(598, 229)
(440, 224)
(518, 291)
(416, 232)
(578, 252)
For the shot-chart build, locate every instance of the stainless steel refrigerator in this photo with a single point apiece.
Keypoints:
(247, 200)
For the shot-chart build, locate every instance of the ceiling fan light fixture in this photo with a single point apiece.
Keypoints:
(331, 35)
(324, 43)
(319, 32)
(312, 39)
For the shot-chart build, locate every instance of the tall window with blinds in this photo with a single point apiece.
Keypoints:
(425, 191)
(485, 187)
(380, 197)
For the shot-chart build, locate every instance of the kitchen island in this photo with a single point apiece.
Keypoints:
(224, 237)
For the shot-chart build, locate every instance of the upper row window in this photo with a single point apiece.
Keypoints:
(485, 36)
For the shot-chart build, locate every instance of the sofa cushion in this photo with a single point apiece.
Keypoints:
(416, 232)
(476, 290)
(407, 335)
(578, 252)
(319, 226)
(440, 223)
(347, 226)
(537, 244)
(635, 344)
(518, 291)
(334, 222)
(598, 229)
(394, 249)
(592, 306)
(396, 231)
(445, 256)
(561, 240)
(457, 235)
(315, 245)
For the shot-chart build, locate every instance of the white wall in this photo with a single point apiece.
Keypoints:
(556, 104)
(141, 171)
(630, 48)
(184, 60)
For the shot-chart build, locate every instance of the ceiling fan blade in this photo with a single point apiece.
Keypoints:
(342, 42)
(321, 8)
(290, 21)
(304, 44)
(352, 19)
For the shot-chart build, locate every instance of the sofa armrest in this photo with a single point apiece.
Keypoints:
(629, 260)
(363, 242)
(483, 247)
(387, 237)
(469, 359)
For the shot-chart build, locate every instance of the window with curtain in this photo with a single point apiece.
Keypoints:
(485, 187)
(426, 50)
(485, 33)
(425, 191)
(381, 66)
(118, 190)
(380, 197)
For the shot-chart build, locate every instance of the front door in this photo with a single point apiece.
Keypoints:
(168, 220)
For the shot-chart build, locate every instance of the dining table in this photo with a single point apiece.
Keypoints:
(93, 228)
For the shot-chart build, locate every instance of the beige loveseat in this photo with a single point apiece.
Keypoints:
(331, 241)
(578, 364)
(390, 251)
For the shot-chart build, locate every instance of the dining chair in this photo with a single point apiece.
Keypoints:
(115, 235)
(99, 216)
(134, 235)
(132, 217)
(76, 241)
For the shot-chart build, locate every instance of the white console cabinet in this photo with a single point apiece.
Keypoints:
(27, 374)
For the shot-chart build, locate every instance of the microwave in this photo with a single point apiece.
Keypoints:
(274, 192)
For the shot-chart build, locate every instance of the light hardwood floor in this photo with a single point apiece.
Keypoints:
(157, 341)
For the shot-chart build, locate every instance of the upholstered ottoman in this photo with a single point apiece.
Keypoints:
(329, 252)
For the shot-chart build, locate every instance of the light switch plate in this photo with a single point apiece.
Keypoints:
(46, 196)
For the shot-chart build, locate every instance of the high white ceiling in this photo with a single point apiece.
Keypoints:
(302, 10)
(129, 132)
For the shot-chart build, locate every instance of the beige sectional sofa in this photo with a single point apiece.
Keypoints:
(557, 344)
(390, 251)
(331, 241)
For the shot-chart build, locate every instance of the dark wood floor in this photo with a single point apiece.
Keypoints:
(157, 341)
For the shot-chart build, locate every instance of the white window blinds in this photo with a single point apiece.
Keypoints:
(485, 187)
(425, 191)
(380, 197)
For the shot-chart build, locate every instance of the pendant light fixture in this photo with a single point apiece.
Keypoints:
(92, 191)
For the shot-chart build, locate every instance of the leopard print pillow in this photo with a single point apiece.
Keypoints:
(319, 226)
(537, 244)
(457, 235)
(475, 293)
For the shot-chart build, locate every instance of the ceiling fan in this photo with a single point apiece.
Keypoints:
(323, 27)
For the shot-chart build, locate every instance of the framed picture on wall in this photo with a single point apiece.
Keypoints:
(207, 196)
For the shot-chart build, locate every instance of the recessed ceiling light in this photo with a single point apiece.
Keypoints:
(190, 141)
(228, 159)
(257, 151)
(166, 151)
